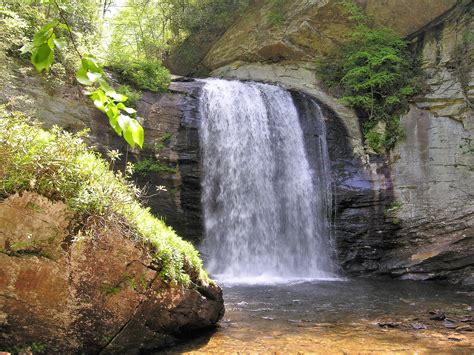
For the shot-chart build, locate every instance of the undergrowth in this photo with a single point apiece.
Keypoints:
(374, 73)
(60, 166)
(148, 165)
(143, 75)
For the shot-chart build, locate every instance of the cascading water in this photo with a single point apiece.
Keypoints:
(265, 214)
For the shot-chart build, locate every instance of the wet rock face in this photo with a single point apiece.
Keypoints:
(174, 115)
(361, 233)
(95, 293)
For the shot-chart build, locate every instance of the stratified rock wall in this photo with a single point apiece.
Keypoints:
(433, 167)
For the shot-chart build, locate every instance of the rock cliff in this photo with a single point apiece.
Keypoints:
(410, 215)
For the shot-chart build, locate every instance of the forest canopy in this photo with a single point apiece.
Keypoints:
(74, 40)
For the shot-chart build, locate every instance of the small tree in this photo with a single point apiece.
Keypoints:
(52, 37)
(374, 73)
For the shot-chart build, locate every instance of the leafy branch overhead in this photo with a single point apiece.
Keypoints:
(90, 74)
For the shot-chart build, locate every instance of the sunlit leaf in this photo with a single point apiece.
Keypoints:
(93, 76)
(124, 121)
(90, 63)
(128, 110)
(117, 97)
(51, 41)
(137, 132)
(60, 43)
(42, 57)
(81, 76)
(28, 47)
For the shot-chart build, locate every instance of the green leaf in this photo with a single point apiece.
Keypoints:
(132, 131)
(27, 47)
(93, 76)
(42, 57)
(64, 26)
(51, 41)
(124, 122)
(100, 100)
(137, 132)
(117, 97)
(81, 76)
(60, 43)
(115, 125)
(44, 33)
(90, 63)
(128, 110)
(104, 85)
(112, 111)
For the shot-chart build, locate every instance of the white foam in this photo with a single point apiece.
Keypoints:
(265, 279)
(265, 208)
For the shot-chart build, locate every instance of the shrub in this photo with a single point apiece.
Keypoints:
(147, 166)
(60, 166)
(143, 75)
(133, 96)
(374, 73)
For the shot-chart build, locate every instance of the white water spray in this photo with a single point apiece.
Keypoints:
(265, 214)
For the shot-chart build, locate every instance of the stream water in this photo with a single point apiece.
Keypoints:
(351, 317)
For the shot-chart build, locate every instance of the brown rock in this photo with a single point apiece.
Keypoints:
(312, 28)
(100, 292)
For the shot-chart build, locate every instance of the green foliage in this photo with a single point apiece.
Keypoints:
(21, 19)
(374, 73)
(148, 165)
(133, 96)
(162, 142)
(108, 101)
(60, 166)
(16, 27)
(105, 98)
(149, 30)
(375, 140)
(43, 44)
(144, 75)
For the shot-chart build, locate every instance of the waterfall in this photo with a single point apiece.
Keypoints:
(265, 211)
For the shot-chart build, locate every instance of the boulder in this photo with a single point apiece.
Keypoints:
(87, 292)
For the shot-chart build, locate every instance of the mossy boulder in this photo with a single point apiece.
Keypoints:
(85, 268)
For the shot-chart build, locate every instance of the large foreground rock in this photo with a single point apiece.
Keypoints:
(91, 292)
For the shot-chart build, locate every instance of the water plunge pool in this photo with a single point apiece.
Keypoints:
(358, 316)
